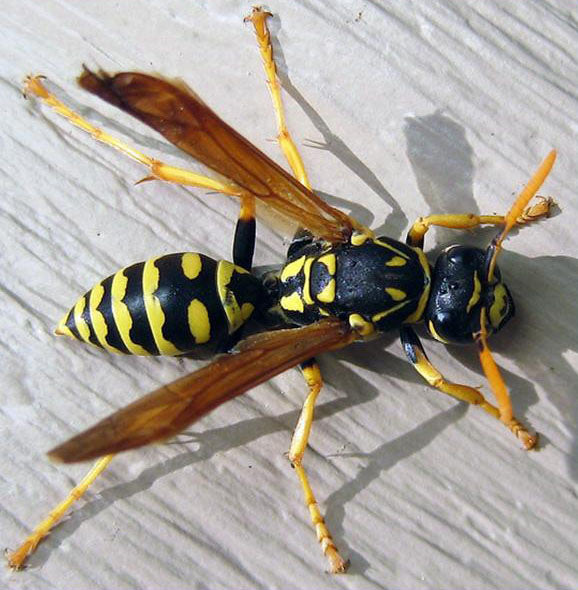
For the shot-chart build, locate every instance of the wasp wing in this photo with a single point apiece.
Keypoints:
(168, 410)
(182, 118)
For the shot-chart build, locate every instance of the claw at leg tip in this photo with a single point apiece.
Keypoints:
(15, 561)
(339, 566)
(529, 441)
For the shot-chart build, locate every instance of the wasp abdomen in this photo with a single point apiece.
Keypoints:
(170, 305)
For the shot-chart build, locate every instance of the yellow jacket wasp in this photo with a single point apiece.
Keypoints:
(339, 284)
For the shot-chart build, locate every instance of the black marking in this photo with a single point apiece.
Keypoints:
(411, 344)
(319, 278)
(308, 364)
(244, 243)
(300, 243)
(363, 277)
(175, 292)
(140, 332)
(105, 308)
(415, 242)
(88, 320)
(71, 325)
(246, 288)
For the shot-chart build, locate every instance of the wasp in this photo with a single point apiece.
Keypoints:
(339, 284)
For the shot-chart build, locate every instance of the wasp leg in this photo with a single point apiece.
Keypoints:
(244, 241)
(259, 19)
(531, 213)
(16, 559)
(158, 170)
(499, 388)
(314, 380)
(417, 356)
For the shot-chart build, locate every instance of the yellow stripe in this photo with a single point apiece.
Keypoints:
(81, 325)
(155, 313)
(199, 323)
(121, 314)
(390, 247)
(476, 294)
(433, 332)
(246, 310)
(233, 312)
(361, 325)
(359, 239)
(192, 265)
(383, 314)
(330, 262)
(396, 294)
(498, 307)
(328, 293)
(292, 269)
(98, 322)
(396, 261)
(292, 302)
(416, 315)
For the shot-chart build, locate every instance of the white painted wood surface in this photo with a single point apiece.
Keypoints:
(423, 106)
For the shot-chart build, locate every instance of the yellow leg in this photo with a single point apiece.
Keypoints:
(519, 210)
(494, 376)
(531, 213)
(259, 19)
(504, 412)
(16, 559)
(314, 380)
(158, 170)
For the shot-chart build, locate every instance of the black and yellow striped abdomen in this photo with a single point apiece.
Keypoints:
(171, 305)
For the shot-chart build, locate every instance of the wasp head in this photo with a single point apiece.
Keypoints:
(460, 290)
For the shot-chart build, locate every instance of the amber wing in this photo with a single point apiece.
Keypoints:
(168, 410)
(183, 119)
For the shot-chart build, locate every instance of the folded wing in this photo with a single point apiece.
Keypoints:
(182, 118)
(168, 410)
